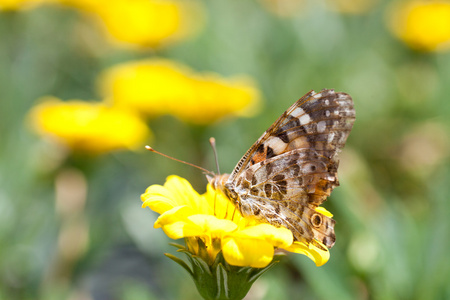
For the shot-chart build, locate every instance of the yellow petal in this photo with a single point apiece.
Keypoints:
(318, 255)
(254, 245)
(176, 191)
(220, 205)
(176, 214)
(247, 252)
(424, 25)
(176, 223)
(149, 22)
(181, 222)
(276, 236)
(324, 211)
(152, 87)
(88, 126)
(158, 199)
(158, 86)
(212, 224)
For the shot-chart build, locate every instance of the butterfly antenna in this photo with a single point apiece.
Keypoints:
(212, 141)
(178, 160)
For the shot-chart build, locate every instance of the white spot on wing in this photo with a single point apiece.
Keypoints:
(331, 178)
(330, 137)
(321, 126)
(305, 119)
(298, 112)
(276, 144)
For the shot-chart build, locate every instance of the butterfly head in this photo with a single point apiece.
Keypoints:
(220, 183)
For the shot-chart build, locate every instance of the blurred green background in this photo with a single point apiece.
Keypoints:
(392, 208)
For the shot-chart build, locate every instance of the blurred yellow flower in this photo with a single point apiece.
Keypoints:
(423, 25)
(90, 127)
(155, 87)
(212, 220)
(145, 23)
(19, 4)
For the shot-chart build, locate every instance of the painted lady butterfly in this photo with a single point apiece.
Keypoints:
(292, 167)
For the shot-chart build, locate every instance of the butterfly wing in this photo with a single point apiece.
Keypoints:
(320, 121)
(292, 168)
(286, 189)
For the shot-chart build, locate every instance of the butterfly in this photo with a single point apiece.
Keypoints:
(292, 167)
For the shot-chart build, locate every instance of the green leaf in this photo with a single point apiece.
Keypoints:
(180, 262)
(177, 246)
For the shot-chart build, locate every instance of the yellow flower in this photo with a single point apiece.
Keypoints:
(146, 23)
(212, 220)
(423, 25)
(157, 86)
(91, 127)
(217, 97)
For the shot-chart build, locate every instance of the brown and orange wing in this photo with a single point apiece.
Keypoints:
(292, 168)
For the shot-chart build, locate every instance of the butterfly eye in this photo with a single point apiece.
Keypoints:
(316, 220)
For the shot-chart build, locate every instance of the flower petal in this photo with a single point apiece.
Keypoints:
(254, 245)
(176, 191)
(181, 222)
(176, 214)
(324, 211)
(319, 255)
(276, 236)
(158, 86)
(150, 22)
(220, 205)
(212, 224)
(247, 252)
(176, 223)
(423, 25)
(91, 127)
